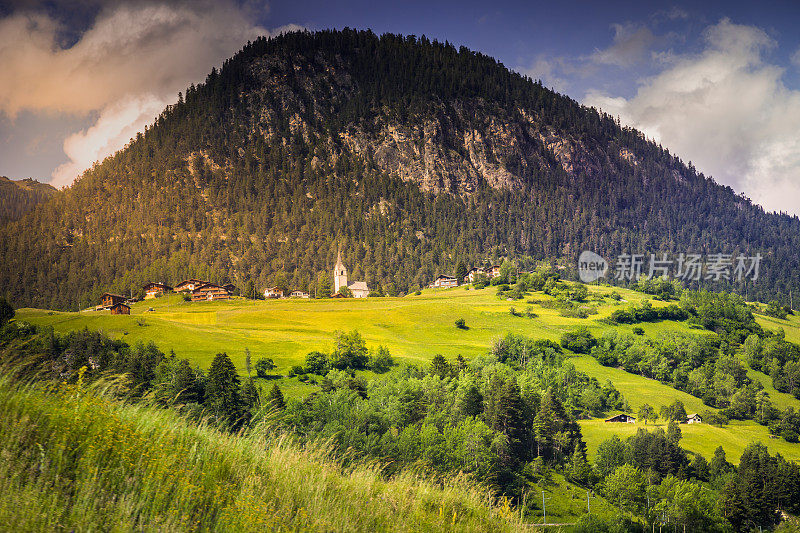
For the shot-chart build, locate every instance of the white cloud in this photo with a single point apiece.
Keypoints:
(134, 57)
(796, 58)
(117, 124)
(726, 110)
(630, 46)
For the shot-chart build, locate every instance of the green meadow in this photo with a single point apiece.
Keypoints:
(414, 328)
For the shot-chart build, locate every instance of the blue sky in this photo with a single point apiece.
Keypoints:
(717, 83)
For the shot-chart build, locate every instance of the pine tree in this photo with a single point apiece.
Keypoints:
(511, 417)
(439, 366)
(275, 398)
(223, 397)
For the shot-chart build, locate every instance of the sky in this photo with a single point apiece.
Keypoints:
(718, 84)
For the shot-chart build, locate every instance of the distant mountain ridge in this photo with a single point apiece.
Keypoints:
(17, 197)
(411, 155)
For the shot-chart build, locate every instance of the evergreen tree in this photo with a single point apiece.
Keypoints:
(439, 366)
(223, 395)
(275, 398)
(6, 311)
(471, 403)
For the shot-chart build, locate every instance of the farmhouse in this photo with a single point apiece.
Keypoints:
(189, 285)
(694, 418)
(209, 292)
(109, 300)
(273, 292)
(444, 282)
(120, 309)
(299, 294)
(358, 289)
(492, 271)
(627, 419)
(151, 290)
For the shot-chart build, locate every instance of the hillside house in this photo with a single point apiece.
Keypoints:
(120, 309)
(473, 274)
(623, 418)
(109, 300)
(299, 294)
(273, 292)
(492, 271)
(209, 292)
(358, 289)
(694, 418)
(443, 282)
(188, 285)
(151, 290)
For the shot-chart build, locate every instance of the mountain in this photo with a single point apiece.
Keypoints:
(20, 196)
(410, 155)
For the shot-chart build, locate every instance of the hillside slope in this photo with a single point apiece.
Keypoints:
(81, 462)
(410, 154)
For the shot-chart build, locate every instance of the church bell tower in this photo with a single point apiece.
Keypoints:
(339, 274)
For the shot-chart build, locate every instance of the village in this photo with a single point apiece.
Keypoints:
(198, 290)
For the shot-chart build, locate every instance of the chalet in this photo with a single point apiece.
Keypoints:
(444, 281)
(151, 290)
(474, 274)
(694, 419)
(230, 287)
(108, 300)
(209, 292)
(492, 271)
(626, 419)
(120, 309)
(299, 294)
(188, 285)
(273, 292)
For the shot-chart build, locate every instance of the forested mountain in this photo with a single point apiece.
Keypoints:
(19, 197)
(412, 155)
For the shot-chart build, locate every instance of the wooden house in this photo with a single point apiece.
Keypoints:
(151, 290)
(230, 287)
(694, 418)
(273, 292)
(188, 285)
(445, 281)
(109, 300)
(474, 274)
(623, 418)
(299, 294)
(492, 271)
(209, 292)
(120, 309)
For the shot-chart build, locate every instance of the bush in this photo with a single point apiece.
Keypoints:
(296, 370)
(461, 324)
(578, 341)
(381, 361)
(638, 331)
(187, 297)
(317, 363)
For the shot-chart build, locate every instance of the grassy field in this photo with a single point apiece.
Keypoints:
(414, 328)
(74, 461)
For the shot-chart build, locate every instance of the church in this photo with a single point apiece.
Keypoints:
(358, 289)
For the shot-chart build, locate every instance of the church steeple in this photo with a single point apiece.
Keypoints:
(339, 273)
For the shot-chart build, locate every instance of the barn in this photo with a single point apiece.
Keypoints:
(623, 418)
(120, 309)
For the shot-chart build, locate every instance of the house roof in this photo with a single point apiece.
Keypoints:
(358, 285)
(113, 295)
(120, 304)
(442, 276)
(693, 415)
(620, 416)
(207, 286)
(154, 284)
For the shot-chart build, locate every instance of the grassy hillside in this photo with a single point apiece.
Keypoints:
(78, 462)
(414, 328)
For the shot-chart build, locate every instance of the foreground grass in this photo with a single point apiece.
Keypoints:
(71, 460)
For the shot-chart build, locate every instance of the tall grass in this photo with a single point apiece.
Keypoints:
(72, 459)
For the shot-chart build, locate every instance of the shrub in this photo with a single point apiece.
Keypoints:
(317, 363)
(578, 341)
(461, 324)
(638, 331)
